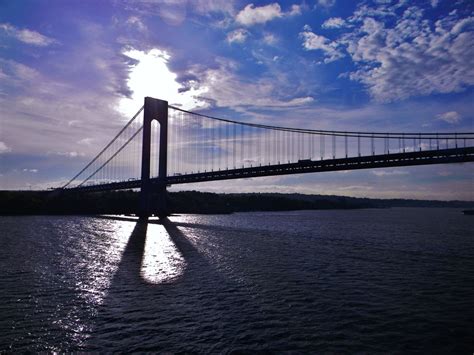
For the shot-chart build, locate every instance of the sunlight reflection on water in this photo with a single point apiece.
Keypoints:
(98, 250)
(162, 260)
(102, 259)
(293, 282)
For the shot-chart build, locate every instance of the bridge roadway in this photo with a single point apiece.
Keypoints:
(442, 156)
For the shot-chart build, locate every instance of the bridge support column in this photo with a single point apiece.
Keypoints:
(154, 109)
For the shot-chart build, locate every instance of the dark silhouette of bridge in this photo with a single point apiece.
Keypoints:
(164, 145)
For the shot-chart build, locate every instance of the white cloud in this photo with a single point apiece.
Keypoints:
(410, 57)
(307, 28)
(34, 171)
(450, 117)
(253, 15)
(434, 3)
(226, 88)
(334, 22)
(4, 148)
(27, 36)
(312, 41)
(238, 36)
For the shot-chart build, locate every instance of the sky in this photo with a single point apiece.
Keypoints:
(73, 72)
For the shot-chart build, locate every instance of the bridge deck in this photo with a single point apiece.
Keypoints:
(444, 156)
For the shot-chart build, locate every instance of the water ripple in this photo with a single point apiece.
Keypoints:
(395, 280)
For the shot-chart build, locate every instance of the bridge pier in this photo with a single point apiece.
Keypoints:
(154, 109)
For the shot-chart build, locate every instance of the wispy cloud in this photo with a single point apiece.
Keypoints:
(226, 88)
(136, 22)
(67, 154)
(326, 3)
(334, 22)
(87, 88)
(34, 171)
(450, 117)
(213, 6)
(382, 173)
(391, 60)
(312, 41)
(295, 10)
(26, 36)
(270, 39)
(4, 148)
(86, 141)
(391, 57)
(237, 36)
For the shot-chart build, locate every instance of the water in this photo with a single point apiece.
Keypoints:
(398, 280)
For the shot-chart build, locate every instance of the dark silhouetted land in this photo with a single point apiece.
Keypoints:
(126, 202)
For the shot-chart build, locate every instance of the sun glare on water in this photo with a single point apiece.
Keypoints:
(162, 261)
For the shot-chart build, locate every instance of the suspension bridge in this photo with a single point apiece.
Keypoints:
(164, 145)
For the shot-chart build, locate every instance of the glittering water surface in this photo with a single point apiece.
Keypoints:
(397, 280)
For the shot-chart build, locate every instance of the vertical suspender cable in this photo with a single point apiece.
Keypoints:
(358, 145)
(334, 147)
(345, 144)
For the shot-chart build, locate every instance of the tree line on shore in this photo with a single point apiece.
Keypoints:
(127, 202)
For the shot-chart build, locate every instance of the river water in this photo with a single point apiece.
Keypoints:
(392, 280)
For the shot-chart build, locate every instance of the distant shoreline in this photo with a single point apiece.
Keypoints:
(126, 202)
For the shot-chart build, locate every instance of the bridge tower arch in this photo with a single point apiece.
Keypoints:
(154, 109)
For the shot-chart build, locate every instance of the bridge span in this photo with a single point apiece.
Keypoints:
(164, 145)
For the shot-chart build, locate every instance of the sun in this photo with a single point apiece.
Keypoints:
(150, 76)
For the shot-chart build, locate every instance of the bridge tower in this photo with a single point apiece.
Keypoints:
(154, 109)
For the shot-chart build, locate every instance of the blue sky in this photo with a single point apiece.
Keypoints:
(72, 72)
